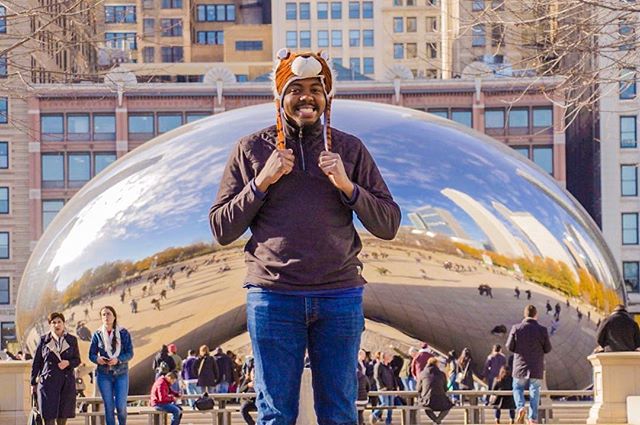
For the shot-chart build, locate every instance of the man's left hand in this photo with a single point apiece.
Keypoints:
(331, 165)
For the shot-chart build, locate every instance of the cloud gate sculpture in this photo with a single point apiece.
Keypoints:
(474, 213)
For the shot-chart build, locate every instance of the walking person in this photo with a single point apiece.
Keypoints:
(407, 379)
(451, 367)
(419, 362)
(225, 371)
(248, 404)
(385, 381)
(177, 360)
(305, 293)
(493, 364)
(206, 371)
(503, 382)
(163, 363)
(618, 332)
(432, 391)
(53, 379)
(111, 349)
(529, 342)
(464, 375)
(164, 398)
(190, 376)
(364, 386)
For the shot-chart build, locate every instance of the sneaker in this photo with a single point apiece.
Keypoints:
(373, 420)
(532, 421)
(522, 412)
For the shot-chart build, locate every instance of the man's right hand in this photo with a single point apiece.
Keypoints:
(279, 163)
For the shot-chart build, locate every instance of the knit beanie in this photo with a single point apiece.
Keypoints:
(290, 67)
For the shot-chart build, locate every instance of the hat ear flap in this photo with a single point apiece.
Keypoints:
(283, 53)
(324, 55)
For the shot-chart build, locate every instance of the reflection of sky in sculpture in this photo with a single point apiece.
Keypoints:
(159, 195)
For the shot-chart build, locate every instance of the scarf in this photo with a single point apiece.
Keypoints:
(58, 345)
(107, 341)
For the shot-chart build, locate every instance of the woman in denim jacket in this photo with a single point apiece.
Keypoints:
(111, 350)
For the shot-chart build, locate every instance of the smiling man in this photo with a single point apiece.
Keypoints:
(296, 185)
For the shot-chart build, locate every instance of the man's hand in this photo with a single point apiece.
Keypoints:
(331, 165)
(63, 364)
(279, 163)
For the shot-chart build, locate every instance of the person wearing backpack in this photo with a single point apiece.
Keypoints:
(163, 363)
(207, 371)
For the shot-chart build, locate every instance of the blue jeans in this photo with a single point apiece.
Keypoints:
(221, 388)
(114, 390)
(210, 389)
(281, 327)
(192, 389)
(174, 409)
(519, 386)
(385, 400)
(409, 383)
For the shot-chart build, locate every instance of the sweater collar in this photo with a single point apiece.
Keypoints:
(311, 131)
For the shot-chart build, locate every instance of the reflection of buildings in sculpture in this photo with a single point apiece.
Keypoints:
(437, 220)
(594, 262)
(500, 238)
(539, 235)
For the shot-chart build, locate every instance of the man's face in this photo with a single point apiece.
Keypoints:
(304, 101)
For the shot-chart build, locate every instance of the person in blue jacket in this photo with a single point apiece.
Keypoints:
(111, 349)
(52, 372)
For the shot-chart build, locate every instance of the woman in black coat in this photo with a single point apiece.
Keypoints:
(504, 382)
(432, 390)
(206, 370)
(52, 372)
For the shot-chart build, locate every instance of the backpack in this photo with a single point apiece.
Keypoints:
(163, 368)
(204, 402)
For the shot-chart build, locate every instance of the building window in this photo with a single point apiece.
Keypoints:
(4, 71)
(78, 127)
(50, 208)
(323, 38)
(242, 78)
(305, 11)
(172, 54)
(412, 24)
(337, 61)
(7, 334)
(628, 132)
(336, 10)
(631, 275)
(79, 169)
(543, 117)
(102, 161)
(249, 45)
(497, 35)
(141, 124)
(444, 113)
(497, 4)
(522, 150)
(431, 23)
(629, 228)
(626, 32)
(398, 25)
(291, 11)
(336, 38)
(628, 84)
(52, 170)
(172, 4)
(195, 116)
(210, 37)
(292, 39)
(4, 290)
(354, 38)
(104, 127)
(367, 66)
(477, 5)
(305, 38)
(397, 2)
(4, 245)
(148, 27)
(628, 180)
(354, 10)
(494, 118)
(354, 65)
(51, 127)
(121, 40)
(367, 10)
(120, 14)
(4, 155)
(216, 13)
(367, 38)
(148, 54)
(412, 50)
(4, 110)
(477, 35)
(519, 118)
(432, 50)
(167, 122)
(323, 10)
(398, 51)
(3, 20)
(543, 156)
(4, 200)
(462, 116)
(171, 27)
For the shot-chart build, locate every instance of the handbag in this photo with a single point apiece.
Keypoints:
(35, 418)
(461, 376)
(204, 402)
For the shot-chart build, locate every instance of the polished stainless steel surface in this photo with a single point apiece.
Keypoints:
(474, 212)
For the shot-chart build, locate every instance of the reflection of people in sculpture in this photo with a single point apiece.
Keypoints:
(296, 186)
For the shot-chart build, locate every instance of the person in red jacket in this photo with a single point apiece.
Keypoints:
(164, 398)
(419, 362)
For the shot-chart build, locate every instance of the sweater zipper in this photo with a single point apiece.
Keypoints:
(304, 168)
